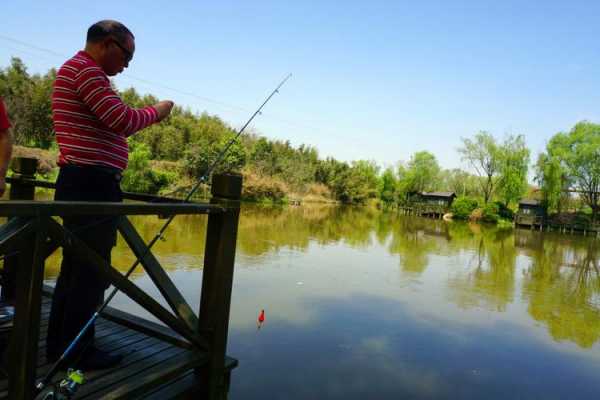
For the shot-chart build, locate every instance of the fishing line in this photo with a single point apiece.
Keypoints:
(48, 377)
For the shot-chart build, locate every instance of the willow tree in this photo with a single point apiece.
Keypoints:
(514, 164)
(422, 172)
(576, 155)
(483, 154)
(552, 179)
(388, 186)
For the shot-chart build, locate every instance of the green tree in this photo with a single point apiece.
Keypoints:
(139, 177)
(483, 154)
(463, 206)
(577, 155)
(422, 173)
(387, 186)
(363, 180)
(514, 164)
(200, 157)
(28, 101)
(551, 177)
(460, 182)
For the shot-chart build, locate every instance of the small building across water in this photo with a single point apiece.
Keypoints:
(531, 212)
(443, 199)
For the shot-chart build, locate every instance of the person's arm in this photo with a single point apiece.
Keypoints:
(94, 89)
(6, 144)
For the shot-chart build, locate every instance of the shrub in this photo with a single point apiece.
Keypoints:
(491, 213)
(261, 188)
(139, 177)
(463, 206)
(504, 212)
(476, 215)
(199, 158)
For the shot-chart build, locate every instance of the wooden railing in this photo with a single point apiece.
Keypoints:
(32, 234)
(545, 223)
(424, 208)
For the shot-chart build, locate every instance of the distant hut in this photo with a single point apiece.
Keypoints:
(439, 199)
(432, 204)
(532, 207)
(531, 212)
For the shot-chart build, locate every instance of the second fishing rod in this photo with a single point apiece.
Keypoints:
(42, 384)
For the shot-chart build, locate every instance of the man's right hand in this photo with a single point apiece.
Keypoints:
(163, 108)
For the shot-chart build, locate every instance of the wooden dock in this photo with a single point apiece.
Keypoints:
(541, 223)
(184, 358)
(424, 210)
(152, 368)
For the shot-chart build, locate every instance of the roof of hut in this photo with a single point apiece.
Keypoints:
(439, 194)
(530, 202)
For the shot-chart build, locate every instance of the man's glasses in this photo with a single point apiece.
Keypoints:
(128, 54)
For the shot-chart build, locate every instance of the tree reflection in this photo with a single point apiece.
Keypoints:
(487, 279)
(414, 239)
(562, 285)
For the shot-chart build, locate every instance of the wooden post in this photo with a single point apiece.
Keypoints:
(23, 168)
(23, 349)
(217, 281)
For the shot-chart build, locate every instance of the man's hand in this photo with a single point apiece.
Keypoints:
(163, 108)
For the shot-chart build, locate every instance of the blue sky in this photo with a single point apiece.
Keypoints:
(371, 80)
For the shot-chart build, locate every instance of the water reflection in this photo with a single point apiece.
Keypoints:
(562, 287)
(487, 280)
(561, 282)
(362, 303)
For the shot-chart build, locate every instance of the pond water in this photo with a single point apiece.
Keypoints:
(362, 304)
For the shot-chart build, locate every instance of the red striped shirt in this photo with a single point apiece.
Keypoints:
(4, 122)
(91, 121)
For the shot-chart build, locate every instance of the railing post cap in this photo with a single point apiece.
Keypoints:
(228, 186)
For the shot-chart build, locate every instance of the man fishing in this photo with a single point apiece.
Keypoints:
(92, 125)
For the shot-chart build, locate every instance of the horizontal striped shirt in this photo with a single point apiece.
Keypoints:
(91, 121)
(4, 122)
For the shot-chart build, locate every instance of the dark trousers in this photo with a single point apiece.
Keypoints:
(80, 287)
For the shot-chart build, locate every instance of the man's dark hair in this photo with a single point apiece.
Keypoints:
(102, 29)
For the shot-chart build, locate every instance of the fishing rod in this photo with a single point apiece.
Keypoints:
(41, 385)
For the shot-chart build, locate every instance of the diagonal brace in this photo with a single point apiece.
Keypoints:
(81, 250)
(14, 232)
(158, 275)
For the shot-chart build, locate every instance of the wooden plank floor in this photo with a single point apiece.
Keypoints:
(151, 367)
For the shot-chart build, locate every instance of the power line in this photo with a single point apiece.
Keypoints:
(146, 81)
(231, 107)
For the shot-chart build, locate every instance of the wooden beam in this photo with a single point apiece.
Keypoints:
(126, 195)
(81, 250)
(24, 338)
(146, 327)
(14, 232)
(217, 282)
(154, 376)
(152, 198)
(136, 323)
(158, 275)
(28, 208)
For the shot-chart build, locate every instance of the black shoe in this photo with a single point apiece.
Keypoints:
(94, 358)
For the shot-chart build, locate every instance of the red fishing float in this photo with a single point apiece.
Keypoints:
(261, 319)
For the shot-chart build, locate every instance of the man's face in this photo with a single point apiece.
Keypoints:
(117, 55)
